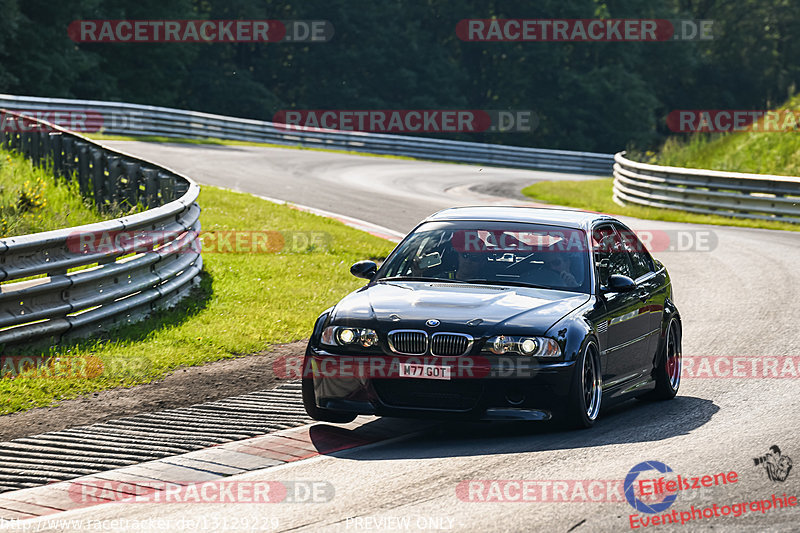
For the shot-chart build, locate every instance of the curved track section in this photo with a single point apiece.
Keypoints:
(395, 193)
(737, 291)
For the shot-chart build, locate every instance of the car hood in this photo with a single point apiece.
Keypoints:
(459, 307)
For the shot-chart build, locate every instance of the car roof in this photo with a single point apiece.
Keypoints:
(568, 218)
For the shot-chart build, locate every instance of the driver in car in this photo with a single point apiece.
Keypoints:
(556, 270)
(469, 266)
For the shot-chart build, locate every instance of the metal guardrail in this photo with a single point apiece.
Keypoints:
(80, 287)
(731, 194)
(133, 119)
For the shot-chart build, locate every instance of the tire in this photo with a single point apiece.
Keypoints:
(586, 390)
(310, 401)
(670, 363)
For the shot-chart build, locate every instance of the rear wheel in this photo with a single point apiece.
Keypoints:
(670, 364)
(310, 400)
(586, 391)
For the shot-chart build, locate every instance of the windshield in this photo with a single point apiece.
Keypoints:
(523, 254)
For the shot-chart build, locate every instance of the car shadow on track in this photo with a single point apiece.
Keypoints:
(626, 423)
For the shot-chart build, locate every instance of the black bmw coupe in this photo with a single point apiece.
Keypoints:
(499, 313)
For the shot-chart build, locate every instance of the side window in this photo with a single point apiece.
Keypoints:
(610, 256)
(641, 261)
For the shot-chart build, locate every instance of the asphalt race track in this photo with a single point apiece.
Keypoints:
(395, 193)
(737, 290)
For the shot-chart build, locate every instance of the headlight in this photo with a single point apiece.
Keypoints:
(347, 336)
(528, 346)
(531, 346)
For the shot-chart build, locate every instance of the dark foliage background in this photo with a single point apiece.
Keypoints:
(404, 54)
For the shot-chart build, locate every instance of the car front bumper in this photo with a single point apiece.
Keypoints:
(493, 388)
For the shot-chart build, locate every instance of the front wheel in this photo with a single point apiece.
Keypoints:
(586, 391)
(310, 400)
(670, 364)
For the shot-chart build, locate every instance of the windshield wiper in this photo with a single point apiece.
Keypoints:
(503, 282)
(411, 278)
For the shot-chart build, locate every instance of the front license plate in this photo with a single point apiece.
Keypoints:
(412, 370)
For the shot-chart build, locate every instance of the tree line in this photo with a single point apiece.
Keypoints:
(406, 54)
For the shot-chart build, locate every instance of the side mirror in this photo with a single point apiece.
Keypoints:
(619, 283)
(364, 269)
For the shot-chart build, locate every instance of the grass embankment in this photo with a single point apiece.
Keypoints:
(744, 151)
(31, 201)
(759, 152)
(245, 303)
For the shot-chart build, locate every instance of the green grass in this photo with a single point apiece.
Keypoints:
(745, 151)
(229, 142)
(596, 195)
(246, 302)
(31, 201)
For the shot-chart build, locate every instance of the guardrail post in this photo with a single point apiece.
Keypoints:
(130, 194)
(26, 144)
(150, 179)
(42, 147)
(15, 141)
(166, 186)
(98, 175)
(180, 188)
(36, 145)
(113, 183)
(3, 128)
(68, 157)
(82, 150)
(55, 153)
(45, 151)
